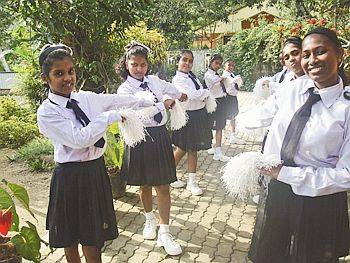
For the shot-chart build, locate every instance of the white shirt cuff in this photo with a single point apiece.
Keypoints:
(160, 106)
(285, 174)
(113, 116)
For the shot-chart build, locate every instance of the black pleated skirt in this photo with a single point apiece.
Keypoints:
(218, 117)
(81, 205)
(232, 107)
(196, 135)
(151, 162)
(300, 229)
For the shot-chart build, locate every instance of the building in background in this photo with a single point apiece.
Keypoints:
(241, 18)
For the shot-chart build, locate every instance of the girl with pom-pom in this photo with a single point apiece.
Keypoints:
(232, 84)
(306, 213)
(151, 163)
(196, 135)
(81, 203)
(215, 83)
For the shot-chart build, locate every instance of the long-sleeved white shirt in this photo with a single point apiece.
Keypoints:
(72, 141)
(212, 80)
(323, 153)
(196, 98)
(232, 89)
(160, 88)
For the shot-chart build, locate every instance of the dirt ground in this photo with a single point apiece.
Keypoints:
(36, 183)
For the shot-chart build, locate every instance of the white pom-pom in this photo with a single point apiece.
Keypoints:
(210, 103)
(132, 129)
(240, 174)
(178, 117)
(146, 94)
(238, 79)
(147, 113)
(261, 89)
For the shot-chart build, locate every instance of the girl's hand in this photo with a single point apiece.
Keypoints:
(183, 97)
(123, 119)
(169, 103)
(272, 172)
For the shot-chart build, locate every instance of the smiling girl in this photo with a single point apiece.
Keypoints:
(306, 213)
(150, 164)
(80, 206)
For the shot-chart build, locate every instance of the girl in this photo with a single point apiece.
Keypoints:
(151, 163)
(232, 102)
(306, 217)
(196, 135)
(80, 206)
(214, 82)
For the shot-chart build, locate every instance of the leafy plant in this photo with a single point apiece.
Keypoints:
(37, 154)
(115, 148)
(26, 239)
(17, 124)
(256, 50)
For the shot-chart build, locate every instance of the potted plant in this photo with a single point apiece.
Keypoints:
(16, 242)
(113, 158)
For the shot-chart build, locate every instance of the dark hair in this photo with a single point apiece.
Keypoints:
(132, 49)
(215, 57)
(228, 60)
(332, 36)
(295, 40)
(50, 53)
(183, 52)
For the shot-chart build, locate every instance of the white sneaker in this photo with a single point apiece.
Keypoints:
(167, 241)
(177, 184)
(211, 151)
(236, 140)
(194, 188)
(256, 199)
(150, 229)
(221, 157)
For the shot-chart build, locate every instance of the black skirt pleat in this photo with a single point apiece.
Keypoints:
(196, 135)
(81, 205)
(232, 107)
(301, 229)
(218, 117)
(151, 162)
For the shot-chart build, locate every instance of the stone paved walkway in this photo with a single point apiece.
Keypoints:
(210, 228)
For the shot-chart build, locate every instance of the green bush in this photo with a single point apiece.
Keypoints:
(256, 50)
(38, 154)
(17, 124)
(14, 132)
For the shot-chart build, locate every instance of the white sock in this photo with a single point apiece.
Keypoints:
(191, 177)
(163, 228)
(150, 215)
(217, 150)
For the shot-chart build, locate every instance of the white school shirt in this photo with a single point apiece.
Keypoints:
(269, 107)
(212, 80)
(323, 153)
(72, 141)
(230, 90)
(160, 88)
(196, 98)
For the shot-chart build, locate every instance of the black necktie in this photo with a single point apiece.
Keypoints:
(83, 119)
(158, 117)
(193, 78)
(221, 84)
(295, 129)
(236, 85)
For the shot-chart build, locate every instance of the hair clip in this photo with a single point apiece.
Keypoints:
(133, 43)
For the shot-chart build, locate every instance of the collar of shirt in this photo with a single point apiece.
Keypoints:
(182, 74)
(328, 95)
(135, 82)
(60, 100)
(211, 71)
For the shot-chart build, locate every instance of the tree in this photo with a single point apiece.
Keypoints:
(86, 26)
